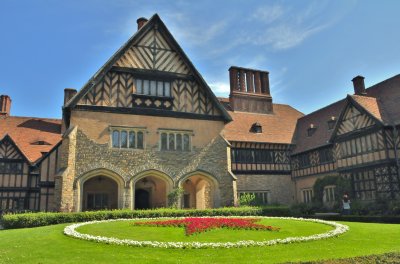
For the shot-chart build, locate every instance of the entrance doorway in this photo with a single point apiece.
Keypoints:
(100, 193)
(142, 199)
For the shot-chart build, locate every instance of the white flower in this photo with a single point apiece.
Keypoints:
(339, 229)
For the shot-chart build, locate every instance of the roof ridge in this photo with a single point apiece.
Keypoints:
(33, 117)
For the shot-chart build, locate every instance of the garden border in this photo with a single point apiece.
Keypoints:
(339, 229)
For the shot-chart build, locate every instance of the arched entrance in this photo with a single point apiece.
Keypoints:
(151, 189)
(99, 189)
(99, 193)
(200, 191)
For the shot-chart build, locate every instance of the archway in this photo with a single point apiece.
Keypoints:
(99, 193)
(150, 190)
(200, 191)
(98, 182)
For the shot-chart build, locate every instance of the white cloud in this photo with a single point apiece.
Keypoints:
(286, 36)
(284, 28)
(220, 88)
(268, 14)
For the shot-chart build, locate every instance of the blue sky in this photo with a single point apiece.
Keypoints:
(312, 49)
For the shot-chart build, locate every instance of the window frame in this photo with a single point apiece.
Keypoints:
(183, 134)
(128, 131)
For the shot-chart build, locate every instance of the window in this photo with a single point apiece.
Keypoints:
(256, 128)
(363, 144)
(127, 138)
(175, 141)
(329, 193)
(261, 197)
(10, 167)
(307, 195)
(259, 156)
(311, 130)
(153, 88)
(325, 155)
(331, 123)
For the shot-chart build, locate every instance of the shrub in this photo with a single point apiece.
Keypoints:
(10, 221)
(247, 199)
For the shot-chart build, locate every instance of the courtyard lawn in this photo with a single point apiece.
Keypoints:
(49, 245)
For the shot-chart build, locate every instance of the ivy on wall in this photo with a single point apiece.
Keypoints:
(342, 186)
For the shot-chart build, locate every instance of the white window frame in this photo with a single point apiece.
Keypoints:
(174, 133)
(329, 193)
(128, 130)
(307, 195)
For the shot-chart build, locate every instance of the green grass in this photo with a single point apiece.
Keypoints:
(49, 245)
(125, 229)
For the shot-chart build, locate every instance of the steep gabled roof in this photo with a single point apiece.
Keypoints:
(27, 130)
(277, 128)
(154, 20)
(319, 119)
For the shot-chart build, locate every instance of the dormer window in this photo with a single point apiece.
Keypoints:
(331, 122)
(256, 128)
(311, 130)
(40, 142)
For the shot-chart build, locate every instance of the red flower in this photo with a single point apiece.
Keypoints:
(199, 224)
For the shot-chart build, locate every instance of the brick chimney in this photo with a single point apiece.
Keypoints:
(68, 94)
(359, 86)
(140, 22)
(250, 90)
(5, 105)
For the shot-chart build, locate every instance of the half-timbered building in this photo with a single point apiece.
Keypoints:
(147, 124)
(355, 138)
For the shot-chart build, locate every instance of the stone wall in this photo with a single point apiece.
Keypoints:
(281, 187)
(128, 163)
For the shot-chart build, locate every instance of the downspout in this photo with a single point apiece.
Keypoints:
(395, 136)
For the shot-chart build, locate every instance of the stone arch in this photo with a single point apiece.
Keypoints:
(201, 190)
(111, 176)
(156, 183)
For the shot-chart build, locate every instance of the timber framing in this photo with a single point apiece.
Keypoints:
(154, 21)
(147, 111)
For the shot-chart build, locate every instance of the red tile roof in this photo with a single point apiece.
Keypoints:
(371, 105)
(388, 95)
(276, 128)
(320, 120)
(27, 130)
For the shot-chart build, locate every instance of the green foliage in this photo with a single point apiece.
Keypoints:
(247, 199)
(174, 197)
(303, 209)
(378, 207)
(42, 219)
(342, 186)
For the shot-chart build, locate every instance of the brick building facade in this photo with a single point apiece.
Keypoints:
(147, 124)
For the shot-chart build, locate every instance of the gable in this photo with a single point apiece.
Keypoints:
(8, 150)
(353, 119)
(151, 59)
(153, 52)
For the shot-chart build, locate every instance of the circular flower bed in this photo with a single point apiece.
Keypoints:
(339, 229)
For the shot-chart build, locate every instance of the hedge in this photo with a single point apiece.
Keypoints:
(359, 218)
(24, 220)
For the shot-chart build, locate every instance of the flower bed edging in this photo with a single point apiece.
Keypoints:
(339, 229)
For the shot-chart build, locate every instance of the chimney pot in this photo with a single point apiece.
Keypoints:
(140, 22)
(359, 86)
(5, 105)
(68, 94)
